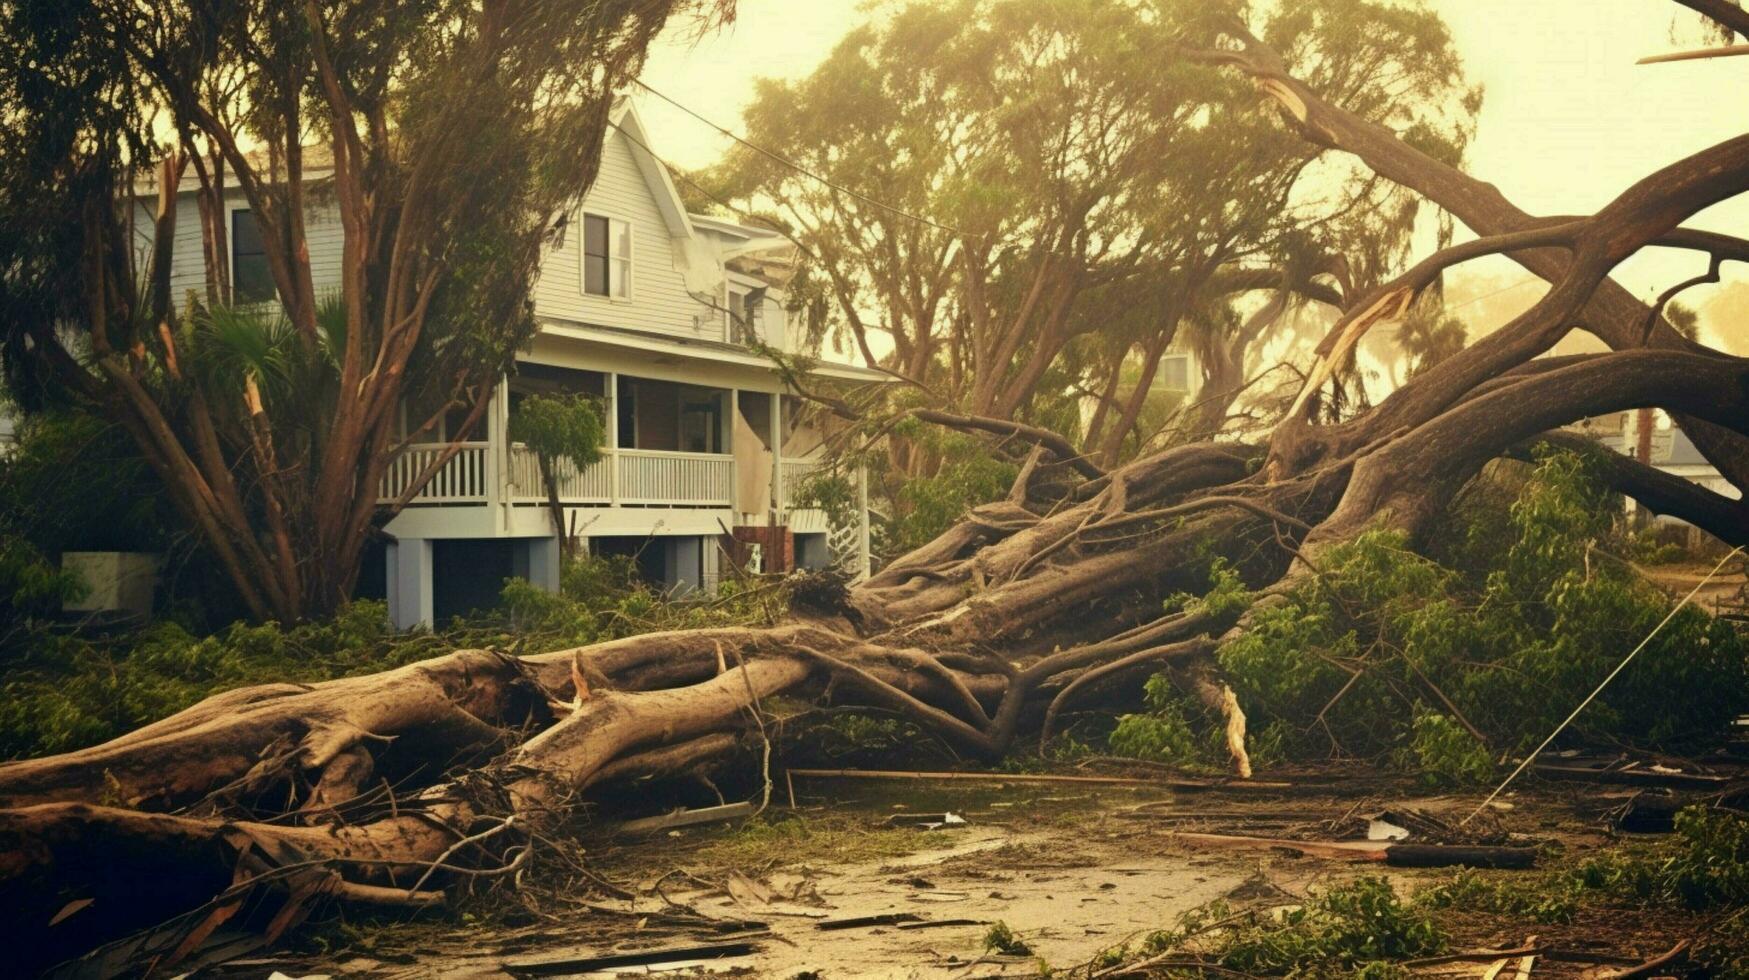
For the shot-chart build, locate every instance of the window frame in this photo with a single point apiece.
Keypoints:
(627, 261)
(231, 213)
(1190, 378)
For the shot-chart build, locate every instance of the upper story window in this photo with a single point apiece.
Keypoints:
(1174, 373)
(740, 327)
(607, 256)
(251, 280)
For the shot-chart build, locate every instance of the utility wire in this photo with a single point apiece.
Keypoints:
(682, 174)
(1493, 293)
(1593, 695)
(798, 168)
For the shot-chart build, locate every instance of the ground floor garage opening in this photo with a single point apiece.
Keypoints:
(467, 575)
(677, 565)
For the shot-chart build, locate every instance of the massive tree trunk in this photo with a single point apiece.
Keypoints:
(389, 787)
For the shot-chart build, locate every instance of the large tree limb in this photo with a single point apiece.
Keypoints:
(1610, 311)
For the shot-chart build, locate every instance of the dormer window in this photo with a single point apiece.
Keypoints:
(607, 257)
(251, 279)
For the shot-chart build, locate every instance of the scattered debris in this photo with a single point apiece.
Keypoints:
(1629, 775)
(689, 818)
(666, 956)
(1378, 828)
(866, 921)
(942, 923)
(926, 821)
(1161, 782)
(1674, 954)
(1395, 854)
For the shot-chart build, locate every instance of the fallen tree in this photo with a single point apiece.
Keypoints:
(386, 788)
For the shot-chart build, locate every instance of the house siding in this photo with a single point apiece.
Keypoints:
(659, 301)
(322, 230)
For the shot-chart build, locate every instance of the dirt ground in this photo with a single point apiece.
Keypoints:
(1072, 870)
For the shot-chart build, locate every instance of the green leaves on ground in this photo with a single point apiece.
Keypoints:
(1522, 610)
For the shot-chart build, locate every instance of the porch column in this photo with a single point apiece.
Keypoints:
(543, 563)
(685, 564)
(778, 497)
(498, 452)
(612, 438)
(409, 572)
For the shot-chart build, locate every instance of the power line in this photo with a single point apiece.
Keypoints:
(798, 168)
(804, 171)
(1490, 295)
(1593, 695)
(684, 176)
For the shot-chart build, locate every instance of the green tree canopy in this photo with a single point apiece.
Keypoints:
(446, 137)
(1087, 187)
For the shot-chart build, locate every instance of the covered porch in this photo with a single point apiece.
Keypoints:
(669, 444)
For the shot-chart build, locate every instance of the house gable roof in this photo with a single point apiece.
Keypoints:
(630, 127)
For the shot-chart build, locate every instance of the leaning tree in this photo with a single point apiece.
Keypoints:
(444, 138)
(1086, 196)
(261, 800)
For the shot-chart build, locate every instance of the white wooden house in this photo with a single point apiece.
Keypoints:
(634, 302)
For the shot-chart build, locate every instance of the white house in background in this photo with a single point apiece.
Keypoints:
(1670, 451)
(1177, 377)
(705, 448)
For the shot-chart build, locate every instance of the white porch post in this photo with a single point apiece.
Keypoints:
(779, 499)
(613, 438)
(498, 452)
(543, 563)
(409, 567)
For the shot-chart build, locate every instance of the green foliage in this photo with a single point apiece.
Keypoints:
(1050, 129)
(1225, 598)
(602, 598)
(999, 938)
(1350, 929)
(29, 584)
(1552, 899)
(1704, 865)
(46, 482)
(560, 428)
(1515, 623)
(1161, 734)
(1646, 547)
(1444, 752)
(65, 692)
(833, 493)
(969, 474)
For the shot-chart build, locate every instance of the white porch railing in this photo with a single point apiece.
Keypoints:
(631, 476)
(623, 476)
(466, 478)
(649, 477)
(594, 485)
(793, 475)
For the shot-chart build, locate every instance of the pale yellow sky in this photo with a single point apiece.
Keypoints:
(1569, 119)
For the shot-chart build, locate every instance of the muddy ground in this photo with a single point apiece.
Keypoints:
(1072, 869)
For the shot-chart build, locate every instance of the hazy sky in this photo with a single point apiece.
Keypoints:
(1568, 122)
